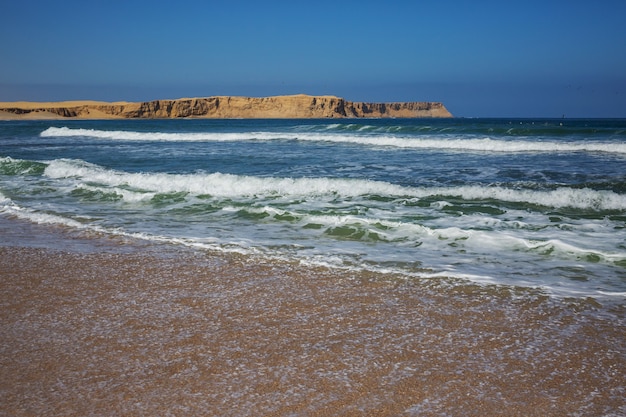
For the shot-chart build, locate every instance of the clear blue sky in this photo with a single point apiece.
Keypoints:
(480, 58)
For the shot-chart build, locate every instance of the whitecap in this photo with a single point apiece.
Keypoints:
(228, 185)
(444, 143)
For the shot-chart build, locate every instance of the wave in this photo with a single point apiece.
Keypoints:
(441, 142)
(359, 222)
(353, 227)
(219, 185)
(5, 201)
(123, 135)
(475, 243)
(11, 166)
(9, 207)
(615, 128)
(376, 229)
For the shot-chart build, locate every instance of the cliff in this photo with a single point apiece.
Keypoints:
(279, 107)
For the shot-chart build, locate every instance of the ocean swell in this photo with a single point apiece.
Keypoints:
(441, 142)
(221, 185)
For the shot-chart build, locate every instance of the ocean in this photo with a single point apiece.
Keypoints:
(512, 202)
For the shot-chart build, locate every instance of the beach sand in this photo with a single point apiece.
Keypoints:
(99, 326)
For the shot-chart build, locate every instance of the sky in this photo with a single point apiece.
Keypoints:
(529, 58)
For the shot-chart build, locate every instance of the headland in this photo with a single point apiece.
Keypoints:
(298, 106)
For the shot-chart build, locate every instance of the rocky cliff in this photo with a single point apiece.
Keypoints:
(281, 107)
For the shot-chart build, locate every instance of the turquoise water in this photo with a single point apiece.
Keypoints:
(535, 203)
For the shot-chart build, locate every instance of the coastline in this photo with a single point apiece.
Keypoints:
(32, 110)
(96, 325)
(298, 106)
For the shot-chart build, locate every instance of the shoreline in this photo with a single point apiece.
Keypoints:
(95, 325)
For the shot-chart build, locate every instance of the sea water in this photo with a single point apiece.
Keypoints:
(531, 203)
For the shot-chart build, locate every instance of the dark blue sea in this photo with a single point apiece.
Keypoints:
(521, 203)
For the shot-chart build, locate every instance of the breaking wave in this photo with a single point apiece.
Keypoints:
(241, 186)
(431, 142)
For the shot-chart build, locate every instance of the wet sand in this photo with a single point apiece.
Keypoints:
(95, 326)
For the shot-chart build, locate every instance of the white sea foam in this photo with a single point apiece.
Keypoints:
(239, 186)
(427, 142)
(465, 235)
(9, 207)
(4, 201)
(489, 244)
(582, 198)
(157, 136)
(217, 184)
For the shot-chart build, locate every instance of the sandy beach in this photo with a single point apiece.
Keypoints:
(309, 209)
(98, 326)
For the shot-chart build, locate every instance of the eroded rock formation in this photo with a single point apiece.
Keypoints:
(280, 107)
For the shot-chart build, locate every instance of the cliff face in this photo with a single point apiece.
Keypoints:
(297, 106)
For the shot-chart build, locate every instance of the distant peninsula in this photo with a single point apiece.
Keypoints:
(299, 106)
